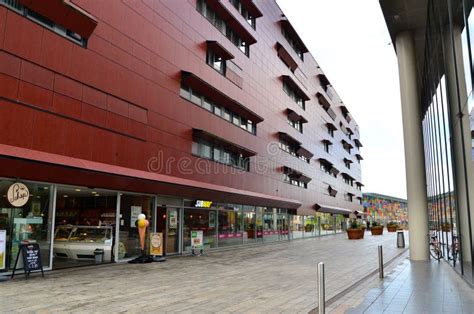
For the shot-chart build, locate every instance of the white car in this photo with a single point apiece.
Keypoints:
(80, 242)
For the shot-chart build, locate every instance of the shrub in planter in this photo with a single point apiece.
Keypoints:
(355, 232)
(376, 229)
(392, 226)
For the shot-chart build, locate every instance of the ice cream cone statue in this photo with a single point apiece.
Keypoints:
(142, 224)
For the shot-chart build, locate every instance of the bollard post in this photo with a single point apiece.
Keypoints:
(380, 262)
(321, 290)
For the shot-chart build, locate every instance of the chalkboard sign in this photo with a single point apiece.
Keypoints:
(31, 255)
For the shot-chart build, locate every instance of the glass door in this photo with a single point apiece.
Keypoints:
(172, 235)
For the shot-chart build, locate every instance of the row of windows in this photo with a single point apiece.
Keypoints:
(243, 11)
(35, 17)
(293, 95)
(222, 26)
(292, 43)
(291, 149)
(191, 95)
(298, 125)
(219, 154)
(327, 169)
(294, 181)
(348, 181)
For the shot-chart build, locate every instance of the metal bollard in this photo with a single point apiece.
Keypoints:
(321, 290)
(380, 262)
(400, 240)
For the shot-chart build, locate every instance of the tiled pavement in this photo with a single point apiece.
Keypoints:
(270, 278)
(411, 287)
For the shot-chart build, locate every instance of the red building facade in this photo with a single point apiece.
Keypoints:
(172, 100)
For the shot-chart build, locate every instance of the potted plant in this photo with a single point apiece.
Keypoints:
(251, 231)
(392, 226)
(376, 228)
(355, 232)
(308, 228)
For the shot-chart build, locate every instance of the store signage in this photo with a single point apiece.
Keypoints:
(3, 246)
(18, 194)
(203, 204)
(156, 243)
(197, 240)
(31, 256)
(134, 212)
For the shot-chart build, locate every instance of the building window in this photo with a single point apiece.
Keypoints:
(221, 25)
(347, 163)
(293, 181)
(245, 13)
(39, 19)
(293, 44)
(332, 192)
(326, 146)
(298, 125)
(218, 153)
(348, 180)
(293, 95)
(348, 197)
(292, 150)
(191, 95)
(330, 131)
(216, 62)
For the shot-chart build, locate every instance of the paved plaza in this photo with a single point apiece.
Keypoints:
(278, 277)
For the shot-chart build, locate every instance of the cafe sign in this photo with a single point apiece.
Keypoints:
(18, 194)
(203, 204)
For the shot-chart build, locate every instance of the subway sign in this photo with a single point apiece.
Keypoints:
(203, 204)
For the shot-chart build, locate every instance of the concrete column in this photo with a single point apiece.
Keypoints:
(414, 151)
(461, 137)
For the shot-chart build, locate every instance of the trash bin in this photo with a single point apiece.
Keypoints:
(99, 256)
(400, 239)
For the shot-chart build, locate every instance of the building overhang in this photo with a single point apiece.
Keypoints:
(332, 209)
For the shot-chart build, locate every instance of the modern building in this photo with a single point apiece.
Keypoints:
(384, 208)
(433, 42)
(205, 115)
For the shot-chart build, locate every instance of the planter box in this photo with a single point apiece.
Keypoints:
(392, 228)
(377, 230)
(355, 234)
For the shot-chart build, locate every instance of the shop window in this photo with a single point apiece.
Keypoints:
(230, 231)
(200, 219)
(25, 223)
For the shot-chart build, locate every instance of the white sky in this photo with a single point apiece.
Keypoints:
(350, 41)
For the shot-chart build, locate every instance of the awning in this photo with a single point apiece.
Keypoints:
(357, 142)
(252, 8)
(332, 209)
(293, 85)
(294, 35)
(346, 144)
(326, 141)
(65, 13)
(198, 133)
(35, 165)
(231, 21)
(347, 176)
(286, 57)
(295, 174)
(359, 184)
(323, 101)
(304, 152)
(348, 160)
(219, 50)
(331, 126)
(323, 79)
(294, 116)
(288, 138)
(218, 97)
(359, 157)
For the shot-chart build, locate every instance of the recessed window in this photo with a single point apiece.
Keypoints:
(298, 125)
(218, 153)
(293, 95)
(326, 146)
(295, 179)
(251, 19)
(193, 96)
(348, 197)
(293, 150)
(216, 62)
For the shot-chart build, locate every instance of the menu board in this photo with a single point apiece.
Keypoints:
(31, 255)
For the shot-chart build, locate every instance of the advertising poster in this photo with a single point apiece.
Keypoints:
(135, 211)
(156, 243)
(197, 240)
(3, 253)
(173, 214)
(212, 219)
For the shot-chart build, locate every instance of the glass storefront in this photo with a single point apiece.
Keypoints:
(230, 224)
(250, 224)
(200, 219)
(326, 223)
(28, 223)
(297, 227)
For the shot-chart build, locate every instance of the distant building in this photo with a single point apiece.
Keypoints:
(385, 208)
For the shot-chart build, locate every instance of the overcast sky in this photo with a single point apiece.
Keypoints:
(350, 41)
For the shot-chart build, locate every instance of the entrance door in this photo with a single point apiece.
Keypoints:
(172, 236)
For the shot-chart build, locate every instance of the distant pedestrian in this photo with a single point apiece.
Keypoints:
(368, 225)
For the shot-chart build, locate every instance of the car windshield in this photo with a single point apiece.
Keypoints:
(90, 234)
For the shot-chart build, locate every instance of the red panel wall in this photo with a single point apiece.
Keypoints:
(117, 101)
